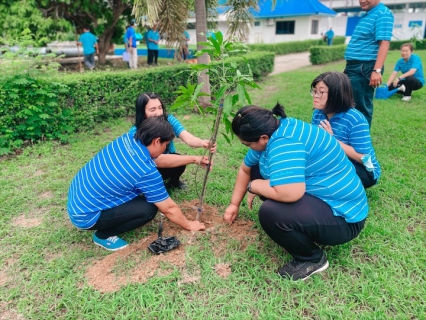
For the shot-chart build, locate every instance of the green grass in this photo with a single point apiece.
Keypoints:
(380, 274)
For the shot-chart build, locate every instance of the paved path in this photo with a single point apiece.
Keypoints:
(290, 62)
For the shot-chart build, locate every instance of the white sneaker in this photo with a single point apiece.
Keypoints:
(402, 88)
(406, 98)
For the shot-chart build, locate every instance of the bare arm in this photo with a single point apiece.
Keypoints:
(175, 215)
(391, 78)
(176, 160)
(408, 73)
(195, 142)
(283, 193)
(376, 78)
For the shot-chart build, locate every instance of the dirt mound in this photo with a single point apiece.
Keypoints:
(135, 264)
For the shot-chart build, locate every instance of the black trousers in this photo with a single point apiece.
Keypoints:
(367, 177)
(173, 174)
(126, 217)
(411, 83)
(152, 56)
(300, 226)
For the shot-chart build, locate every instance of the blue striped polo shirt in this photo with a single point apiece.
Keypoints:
(375, 25)
(299, 152)
(351, 128)
(117, 174)
(177, 129)
(414, 62)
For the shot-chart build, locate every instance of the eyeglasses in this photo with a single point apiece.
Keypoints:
(318, 94)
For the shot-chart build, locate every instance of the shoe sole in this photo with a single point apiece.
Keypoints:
(109, 249)
(324, 267)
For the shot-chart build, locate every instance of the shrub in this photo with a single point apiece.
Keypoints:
(323, 54)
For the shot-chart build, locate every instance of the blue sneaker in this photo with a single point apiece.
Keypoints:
(112, 243)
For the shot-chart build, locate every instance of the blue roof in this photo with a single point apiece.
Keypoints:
(291, 8)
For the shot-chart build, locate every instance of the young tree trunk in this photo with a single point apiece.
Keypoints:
(201, 28)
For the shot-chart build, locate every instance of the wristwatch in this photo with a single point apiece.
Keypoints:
(249, 187)
(378, 70)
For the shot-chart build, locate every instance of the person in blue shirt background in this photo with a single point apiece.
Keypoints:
(131, 45)
(334, 112)
(90, 47)
(366, 53)
(171, 165)
(412, 77)
(329, 34)
(152, 41)
(185, 46)
(310, 189)
(120, 189)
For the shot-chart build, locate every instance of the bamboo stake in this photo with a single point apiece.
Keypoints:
(212, 140)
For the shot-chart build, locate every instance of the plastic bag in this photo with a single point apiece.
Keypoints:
(162, 245)
(126, 56)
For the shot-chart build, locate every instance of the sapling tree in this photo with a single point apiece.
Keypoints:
(229, 82)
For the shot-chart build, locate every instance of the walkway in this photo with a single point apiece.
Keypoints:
(292, 61)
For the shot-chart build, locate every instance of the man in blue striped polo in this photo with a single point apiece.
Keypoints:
(366, 53)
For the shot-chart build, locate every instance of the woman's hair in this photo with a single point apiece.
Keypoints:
(409, 45)
(250, 122)
(340, 96)
(141, 102)
(152, 128)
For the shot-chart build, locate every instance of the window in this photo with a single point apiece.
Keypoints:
(285, 27)
(314, 27)
(257, 23)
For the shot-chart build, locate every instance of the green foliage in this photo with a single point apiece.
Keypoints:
(228, 86)
(324, 54)
(293, 46)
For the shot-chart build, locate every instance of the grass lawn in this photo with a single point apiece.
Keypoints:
(381, 274)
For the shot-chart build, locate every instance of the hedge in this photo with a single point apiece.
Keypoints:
(34, 109)
(324, 54)
(294, 46)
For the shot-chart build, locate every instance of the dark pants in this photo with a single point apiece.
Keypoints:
(299, 226)
(411, 83)
(359, 73)
(173, 174)
(126, 217)
(89, 60)
(152, 56)
(367, 177)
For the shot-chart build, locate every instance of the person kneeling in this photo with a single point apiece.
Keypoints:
(120, 188)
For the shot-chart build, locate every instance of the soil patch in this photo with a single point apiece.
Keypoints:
(24, 222)
(135, 264)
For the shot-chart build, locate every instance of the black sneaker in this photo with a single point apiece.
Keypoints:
(302, 270)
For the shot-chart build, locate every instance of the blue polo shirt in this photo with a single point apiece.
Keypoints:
(375, 25)
(352, 129)
(117, 174)
(131, 33)
(299, 152)
(153, 35)
(88, 40)
(413, 63)
(330, 34)
(177, 129)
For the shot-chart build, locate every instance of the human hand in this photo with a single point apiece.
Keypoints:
(204, 162)
(206, 144)
(326, 126)
(250, 199)
(231, 213)
(375, 79)
(196, 226)
(395, 82)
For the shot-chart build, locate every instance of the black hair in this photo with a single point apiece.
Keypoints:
(152, 128)
(340, 96)
(140, 105)
(250, 122)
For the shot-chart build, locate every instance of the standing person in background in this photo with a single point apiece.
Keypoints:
(152, 40)
(125, 43)
(366, 54)
(90, 47)
(412, 77)
(185, 47)
(329, 34)
(334, 112)
(131, 46)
